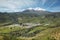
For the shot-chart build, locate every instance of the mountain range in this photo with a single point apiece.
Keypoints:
(30, 13)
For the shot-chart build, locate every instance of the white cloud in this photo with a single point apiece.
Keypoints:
(15, 4)
(37, 8)
(43, 1)
(55, 9)
(53, 2)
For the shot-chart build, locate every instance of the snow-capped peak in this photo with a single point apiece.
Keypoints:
(37, 9)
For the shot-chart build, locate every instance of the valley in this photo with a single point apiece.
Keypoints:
(30, 25)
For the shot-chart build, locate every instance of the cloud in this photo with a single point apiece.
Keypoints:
(52, 4)
(15, 5)
(20, 5)
(43, 1)
(37, 8)
(55, 9)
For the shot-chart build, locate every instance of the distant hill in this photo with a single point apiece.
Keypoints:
(54, 14)
(13, 16)
(38, 12)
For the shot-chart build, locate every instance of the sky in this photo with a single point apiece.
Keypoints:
(20, 5)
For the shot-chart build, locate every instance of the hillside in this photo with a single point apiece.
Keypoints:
(14, 25)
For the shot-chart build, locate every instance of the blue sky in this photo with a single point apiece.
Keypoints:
(19, 5)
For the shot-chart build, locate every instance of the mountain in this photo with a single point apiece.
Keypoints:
(26, 15)
(36, 11)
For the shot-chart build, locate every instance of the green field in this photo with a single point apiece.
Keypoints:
(12, 30)
(42, 32)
